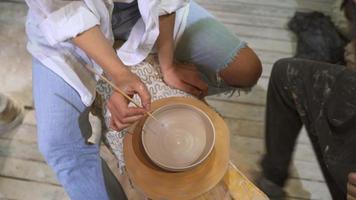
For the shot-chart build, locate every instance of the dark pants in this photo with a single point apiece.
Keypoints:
(323, 98)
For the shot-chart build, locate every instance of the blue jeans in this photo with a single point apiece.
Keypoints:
(62, 126)
(62, 118)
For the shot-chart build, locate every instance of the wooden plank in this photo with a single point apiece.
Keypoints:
(20, 149)
(30, 118)
(245, 128)
(266, 70)
(25, 133)
(15, 60)
(270, 57)
(21, 189)
(268, 33)
(255, 129)
(305, 170)
(238, 111)
(236, 18)
(255, 146)
(270, 45)
(257, 10)
(307, 189)
(29, 170)
(323, 6)
(263, 82)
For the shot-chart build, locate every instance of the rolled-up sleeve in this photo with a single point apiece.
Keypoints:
(63, 20)
(171, 6)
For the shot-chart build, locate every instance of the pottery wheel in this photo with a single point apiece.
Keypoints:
(157, 183)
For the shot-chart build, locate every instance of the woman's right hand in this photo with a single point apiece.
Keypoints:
(123, 116)
(96, 46)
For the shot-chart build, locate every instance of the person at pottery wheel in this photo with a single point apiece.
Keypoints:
(197, 54)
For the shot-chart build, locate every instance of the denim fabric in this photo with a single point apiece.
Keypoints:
(209, 45)
(62, 126)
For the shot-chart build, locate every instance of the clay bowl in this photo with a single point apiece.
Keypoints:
(182, 139)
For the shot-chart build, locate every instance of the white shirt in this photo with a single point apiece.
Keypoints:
(51, 24)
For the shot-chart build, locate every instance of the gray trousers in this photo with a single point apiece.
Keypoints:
(322, 97)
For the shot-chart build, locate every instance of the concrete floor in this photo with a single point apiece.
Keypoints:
(15, 65)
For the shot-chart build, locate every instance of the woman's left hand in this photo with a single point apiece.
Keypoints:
(187, 78)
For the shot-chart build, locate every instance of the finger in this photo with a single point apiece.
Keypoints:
(113, 125)
(188, 66)
(349, 197)
(189, 89)
(120, 125)
(130, 112)
(113, 111)
(352, 178)
(199, 84)
(144, 96)
(130, 120)
(120, 109)
(351, 190)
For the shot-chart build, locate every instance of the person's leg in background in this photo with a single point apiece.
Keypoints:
(225, 61)
(297, 94)
(282, 127)
(63, 125)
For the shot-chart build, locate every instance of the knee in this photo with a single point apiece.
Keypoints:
(244, 70)
(282, 66)
(47, 149)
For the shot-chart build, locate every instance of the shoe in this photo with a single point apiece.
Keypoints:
(11, 114)
(271, 189)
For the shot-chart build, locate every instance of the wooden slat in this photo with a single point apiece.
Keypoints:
(25, 133)
(238, 111)
(299, 169)
(21, 190)
(266, 70)
(254, 129)
(270, 45)
(270, 57)
(25, 169)
(15, 60)
(20, 149)
(268, 33)
(255, 146)
(308, 5)
(263, 82)
(30, 118)
(307, 189)
(236, 18)
(256, 10)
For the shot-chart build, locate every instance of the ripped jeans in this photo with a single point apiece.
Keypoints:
(321, 96)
